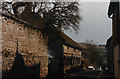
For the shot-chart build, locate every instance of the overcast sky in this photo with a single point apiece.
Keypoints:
(95, 25)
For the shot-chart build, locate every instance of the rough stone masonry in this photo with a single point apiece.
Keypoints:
(31, 45)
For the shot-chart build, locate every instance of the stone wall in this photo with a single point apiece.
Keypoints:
(31, 45)
(71, 50)
(72, 58)
(0, 46)
(116, 63)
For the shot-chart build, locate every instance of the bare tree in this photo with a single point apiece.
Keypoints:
(91, 53)
(63, 15)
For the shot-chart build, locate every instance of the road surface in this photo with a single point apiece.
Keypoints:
(90, 74)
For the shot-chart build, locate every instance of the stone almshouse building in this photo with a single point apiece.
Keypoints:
(30, 52)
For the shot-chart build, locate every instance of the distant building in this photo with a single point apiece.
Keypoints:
(113, 43)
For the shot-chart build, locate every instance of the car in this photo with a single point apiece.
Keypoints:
(90, 68)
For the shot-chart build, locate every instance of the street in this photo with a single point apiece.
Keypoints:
(90, 74)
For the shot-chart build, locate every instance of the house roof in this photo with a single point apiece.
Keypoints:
(112, 6)
(108, 44)
(70, 42)
(67, 40)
